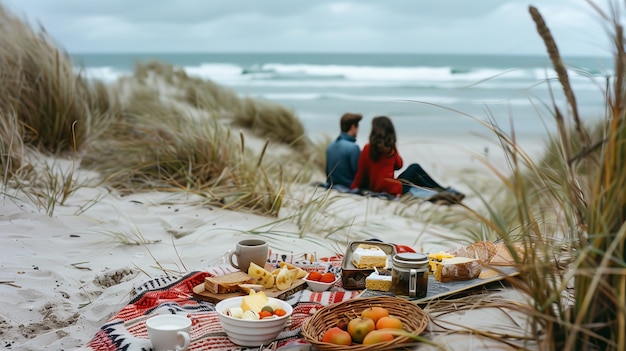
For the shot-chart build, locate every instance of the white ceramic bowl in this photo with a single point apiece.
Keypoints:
(319, 286)
(251, 332)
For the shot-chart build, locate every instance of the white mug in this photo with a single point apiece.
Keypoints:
(247, 251)
(169, 332)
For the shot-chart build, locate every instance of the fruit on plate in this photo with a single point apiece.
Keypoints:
(314, 276)
(373, 325)
(389, 322)
(256, 306)
(299, 272)
(376, 336)
(337, 336)
(328, 277)
(254, 301)
(262, 276)
(359, 327)
(342, 324)
(374, 313)
(285, 278)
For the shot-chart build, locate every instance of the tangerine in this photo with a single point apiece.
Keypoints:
(328, 277)
(315, 276)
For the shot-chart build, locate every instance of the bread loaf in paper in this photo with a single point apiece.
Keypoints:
(483, 251)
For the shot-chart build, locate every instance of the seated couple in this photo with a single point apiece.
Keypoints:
(373, 168)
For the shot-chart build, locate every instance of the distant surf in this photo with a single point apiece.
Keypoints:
(320, 87)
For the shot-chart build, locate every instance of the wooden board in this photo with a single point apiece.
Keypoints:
(438, 289)
(201, 294)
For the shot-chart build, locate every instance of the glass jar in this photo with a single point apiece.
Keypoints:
(409, 276)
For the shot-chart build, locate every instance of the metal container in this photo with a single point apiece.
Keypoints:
(409, 276)
(353, 278)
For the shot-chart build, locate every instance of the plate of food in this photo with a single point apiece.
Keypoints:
(278, 283)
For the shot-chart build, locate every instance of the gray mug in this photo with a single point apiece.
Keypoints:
(247, 251)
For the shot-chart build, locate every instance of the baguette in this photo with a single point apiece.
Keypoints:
(456, 269)
(227, 283)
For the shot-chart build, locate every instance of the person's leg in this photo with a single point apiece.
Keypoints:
(415, 174)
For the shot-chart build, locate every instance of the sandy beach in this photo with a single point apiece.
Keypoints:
(64, 275)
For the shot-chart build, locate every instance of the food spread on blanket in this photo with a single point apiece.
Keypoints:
(122, 329)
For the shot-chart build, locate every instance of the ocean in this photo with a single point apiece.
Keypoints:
(425, 95)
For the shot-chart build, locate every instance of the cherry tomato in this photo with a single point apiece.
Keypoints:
(264, 314)
(280, 312)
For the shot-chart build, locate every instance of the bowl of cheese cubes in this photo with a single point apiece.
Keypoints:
(253, 320)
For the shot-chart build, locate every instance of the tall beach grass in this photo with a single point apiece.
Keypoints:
(562, 217)
(161, 130)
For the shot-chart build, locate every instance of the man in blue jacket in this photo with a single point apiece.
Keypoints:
(342, 155)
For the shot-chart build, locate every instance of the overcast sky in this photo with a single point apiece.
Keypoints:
(386, 26)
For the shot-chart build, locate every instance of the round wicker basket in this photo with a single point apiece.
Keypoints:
(413, 318)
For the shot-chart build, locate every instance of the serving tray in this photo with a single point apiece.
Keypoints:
(438, 290)
(201, 294)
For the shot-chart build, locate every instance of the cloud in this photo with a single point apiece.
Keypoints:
(444, 26)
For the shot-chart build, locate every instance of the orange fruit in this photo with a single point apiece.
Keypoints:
(315, 276)
(327, 278)
(389, 322)
(264, 314)
(374, 313)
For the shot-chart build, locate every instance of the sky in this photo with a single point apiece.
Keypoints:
(356, 26)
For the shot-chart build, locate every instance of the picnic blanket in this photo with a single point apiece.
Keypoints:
(126, 330)
(447, 196)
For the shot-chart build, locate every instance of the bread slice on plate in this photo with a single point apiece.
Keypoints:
(227, 283)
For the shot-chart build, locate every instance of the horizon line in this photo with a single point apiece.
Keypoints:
(320, 53)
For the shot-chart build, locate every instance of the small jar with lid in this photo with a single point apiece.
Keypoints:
(409, 276)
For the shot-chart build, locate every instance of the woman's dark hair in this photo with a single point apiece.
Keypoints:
(382, 137)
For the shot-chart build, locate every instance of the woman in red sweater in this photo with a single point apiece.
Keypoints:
(380, 159)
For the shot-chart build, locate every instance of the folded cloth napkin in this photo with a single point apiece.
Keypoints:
(126, 330)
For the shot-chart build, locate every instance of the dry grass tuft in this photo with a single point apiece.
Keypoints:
(567, 212)
(40, 86)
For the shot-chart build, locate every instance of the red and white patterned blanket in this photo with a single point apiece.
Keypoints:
(127, 329)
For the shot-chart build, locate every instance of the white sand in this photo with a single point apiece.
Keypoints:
(63, 276)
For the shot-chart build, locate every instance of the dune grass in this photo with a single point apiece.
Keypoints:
(172, 132)
(40, 86)
(11, 147)
(562, 218)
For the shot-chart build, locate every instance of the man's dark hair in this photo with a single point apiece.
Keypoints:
(350, 119)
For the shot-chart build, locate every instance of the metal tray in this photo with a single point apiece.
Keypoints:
(353, 278)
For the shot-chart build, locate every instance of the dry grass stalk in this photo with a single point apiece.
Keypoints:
(579, 206)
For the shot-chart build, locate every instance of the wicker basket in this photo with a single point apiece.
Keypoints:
(413, 318)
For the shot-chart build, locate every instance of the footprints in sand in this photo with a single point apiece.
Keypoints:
(51, 319)
(112, 278)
